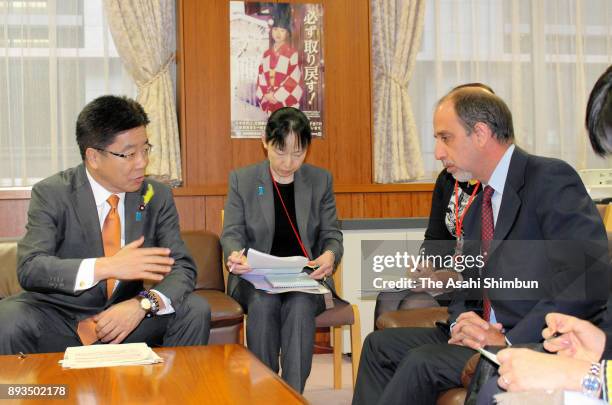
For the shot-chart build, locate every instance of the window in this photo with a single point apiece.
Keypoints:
(57, 56)
(541, 57)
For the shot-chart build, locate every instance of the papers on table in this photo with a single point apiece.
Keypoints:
(109, 355)
(287, 271)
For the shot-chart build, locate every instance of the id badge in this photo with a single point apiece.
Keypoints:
(459, 246)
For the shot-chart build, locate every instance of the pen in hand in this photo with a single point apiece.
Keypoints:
(231, 269)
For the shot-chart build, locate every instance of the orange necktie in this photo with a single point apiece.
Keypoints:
(111, 239)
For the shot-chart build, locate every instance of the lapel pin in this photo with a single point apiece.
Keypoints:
(145, 200)
(260, 190)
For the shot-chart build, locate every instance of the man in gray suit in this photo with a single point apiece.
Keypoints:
(82, 286)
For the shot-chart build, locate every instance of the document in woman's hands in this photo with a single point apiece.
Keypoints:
(263, 263)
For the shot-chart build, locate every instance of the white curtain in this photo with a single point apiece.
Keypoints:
(541, 56)
(55, 56)
(144, 32)
(396, 33)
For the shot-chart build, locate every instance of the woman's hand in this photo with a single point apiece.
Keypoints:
(237, 263)
(579, 339)
(325, 263)
(527, 370)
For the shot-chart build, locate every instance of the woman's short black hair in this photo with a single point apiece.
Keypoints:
(284, 122)
(103, 118)
(599, 114)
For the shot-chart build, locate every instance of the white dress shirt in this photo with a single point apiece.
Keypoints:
(85, 275)
(497, 182)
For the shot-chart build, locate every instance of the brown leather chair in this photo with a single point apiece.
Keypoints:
(423, 318)
(226, 314)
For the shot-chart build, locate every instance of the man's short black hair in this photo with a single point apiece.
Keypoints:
(103, 118)
(599, 114)
(284, 122)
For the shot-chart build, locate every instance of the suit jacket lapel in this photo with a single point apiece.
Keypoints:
(264, 193)
(511, 201)
(133, 228)
(303, 189)
(87, 212)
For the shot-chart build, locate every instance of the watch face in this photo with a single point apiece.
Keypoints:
(145, 304)
(590, 385)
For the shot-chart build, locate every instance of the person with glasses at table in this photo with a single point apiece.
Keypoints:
(95, 233)
(284, 207)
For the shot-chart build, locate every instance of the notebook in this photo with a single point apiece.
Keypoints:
(300, 280)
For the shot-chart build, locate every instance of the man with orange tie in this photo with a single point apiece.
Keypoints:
(95, 233)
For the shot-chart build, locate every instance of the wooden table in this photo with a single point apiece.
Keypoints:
(219, 374)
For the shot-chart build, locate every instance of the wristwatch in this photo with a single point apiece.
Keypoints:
(148, 303)
(591, 383)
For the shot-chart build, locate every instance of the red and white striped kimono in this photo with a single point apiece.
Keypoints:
(279, 73)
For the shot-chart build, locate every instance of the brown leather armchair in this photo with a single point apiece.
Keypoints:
(423, 318)
(205, 248)
(226, 313)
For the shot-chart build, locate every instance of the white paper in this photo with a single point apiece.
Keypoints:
(261, 283)
(489, 355)
(263, 263)
(109, 355)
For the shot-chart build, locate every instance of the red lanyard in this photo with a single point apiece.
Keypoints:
(459, 220)
(280, 197)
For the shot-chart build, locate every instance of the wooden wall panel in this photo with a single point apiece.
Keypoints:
(372, 205)
(344, 206)
(210, 152)
(204, 211)
(13, 217)
(204, 113)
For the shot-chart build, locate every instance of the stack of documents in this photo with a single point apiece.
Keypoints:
(291, 280)
(276, 275)
(109, 355)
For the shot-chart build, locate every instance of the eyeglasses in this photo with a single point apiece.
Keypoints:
(129, 156)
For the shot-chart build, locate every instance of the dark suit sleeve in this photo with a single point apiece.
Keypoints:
(233, 237)
(330, 237)
(38, 267)
(438, 240)
(575, 242)
(181, 279)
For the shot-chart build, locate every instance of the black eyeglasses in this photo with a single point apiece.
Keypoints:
(129, 156)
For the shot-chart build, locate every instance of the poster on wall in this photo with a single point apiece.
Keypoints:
(276, 60)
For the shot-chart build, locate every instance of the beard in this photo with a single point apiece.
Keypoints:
(459, 175)
(462, 176)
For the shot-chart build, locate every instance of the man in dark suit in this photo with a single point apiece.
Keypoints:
(95, 232)
(534, 221)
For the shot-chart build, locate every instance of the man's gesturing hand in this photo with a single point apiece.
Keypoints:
(134, 262)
